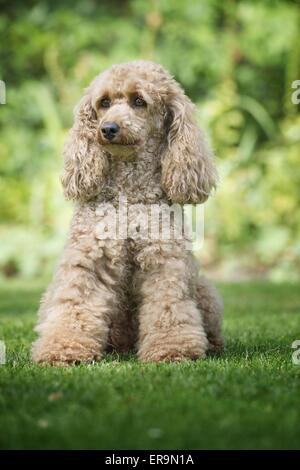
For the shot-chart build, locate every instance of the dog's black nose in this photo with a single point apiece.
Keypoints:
(110, 130)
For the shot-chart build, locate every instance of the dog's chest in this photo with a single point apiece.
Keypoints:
(137, 182)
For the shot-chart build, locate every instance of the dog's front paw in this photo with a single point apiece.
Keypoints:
(63, 353)
(172, 347)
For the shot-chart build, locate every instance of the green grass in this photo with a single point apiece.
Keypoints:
(248, 397)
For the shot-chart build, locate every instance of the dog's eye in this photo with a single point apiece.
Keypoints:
(104, 103)
(139, 102)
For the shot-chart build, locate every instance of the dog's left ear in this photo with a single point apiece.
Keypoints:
(188, 170)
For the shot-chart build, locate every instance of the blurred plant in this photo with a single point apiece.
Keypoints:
(236, 60)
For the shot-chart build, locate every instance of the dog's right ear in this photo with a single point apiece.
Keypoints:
(85, 163)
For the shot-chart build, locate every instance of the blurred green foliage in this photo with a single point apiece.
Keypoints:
(236, 59)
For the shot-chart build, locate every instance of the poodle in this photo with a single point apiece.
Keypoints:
(134, 134)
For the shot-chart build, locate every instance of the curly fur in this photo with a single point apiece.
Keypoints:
(130, 293)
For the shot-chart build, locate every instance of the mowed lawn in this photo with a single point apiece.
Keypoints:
(248, 397)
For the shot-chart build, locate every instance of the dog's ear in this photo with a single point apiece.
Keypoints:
(85, 162)
(188, 170)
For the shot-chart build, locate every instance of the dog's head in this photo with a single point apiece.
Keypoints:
(128, 108)
(137, 104)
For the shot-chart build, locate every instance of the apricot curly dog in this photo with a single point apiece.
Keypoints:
(134, 134)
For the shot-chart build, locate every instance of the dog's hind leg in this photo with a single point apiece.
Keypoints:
(123, 332)
(211, 306)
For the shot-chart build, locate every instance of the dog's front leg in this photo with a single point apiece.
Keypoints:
(170, 325)
(78, 306)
